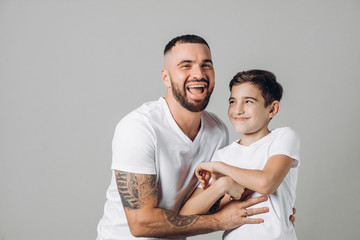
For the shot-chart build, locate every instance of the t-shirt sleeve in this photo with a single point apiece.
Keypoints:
(133, 146)
(217, 156)
(287, 143)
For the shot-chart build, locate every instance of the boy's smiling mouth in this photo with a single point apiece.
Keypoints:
(241, 119)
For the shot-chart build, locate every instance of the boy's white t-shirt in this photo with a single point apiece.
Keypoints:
(276, 223)
(148, 141)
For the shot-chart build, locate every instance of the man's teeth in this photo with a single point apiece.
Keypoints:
(197, 86)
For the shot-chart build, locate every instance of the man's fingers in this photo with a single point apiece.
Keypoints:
(254, 211)
(292, 219)
(253, 220)
(252, 201)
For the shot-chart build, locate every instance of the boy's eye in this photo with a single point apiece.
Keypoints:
(248, 101)
(231, 102)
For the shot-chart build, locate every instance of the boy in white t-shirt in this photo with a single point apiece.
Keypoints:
(262, 162)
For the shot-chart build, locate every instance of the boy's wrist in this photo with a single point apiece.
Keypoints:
(221, 185)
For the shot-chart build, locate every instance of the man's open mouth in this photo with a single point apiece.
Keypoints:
(197, 88)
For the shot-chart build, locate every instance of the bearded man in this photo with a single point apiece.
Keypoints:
(156, 149)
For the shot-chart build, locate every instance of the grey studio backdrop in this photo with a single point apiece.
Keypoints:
(70, 70)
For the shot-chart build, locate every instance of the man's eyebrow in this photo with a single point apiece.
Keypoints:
(184, 61)
(190, 61)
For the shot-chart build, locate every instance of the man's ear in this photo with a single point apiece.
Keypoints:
(165, 77)
(274, 108)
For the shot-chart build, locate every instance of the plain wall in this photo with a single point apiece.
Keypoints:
(70, 70)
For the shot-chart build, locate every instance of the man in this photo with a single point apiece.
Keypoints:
(156, 149)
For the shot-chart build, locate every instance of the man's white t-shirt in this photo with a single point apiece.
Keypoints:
(148, 141)
(276, 223)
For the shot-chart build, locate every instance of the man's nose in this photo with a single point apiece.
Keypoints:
(198, 73)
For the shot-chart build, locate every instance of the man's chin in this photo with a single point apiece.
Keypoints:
(196, 106)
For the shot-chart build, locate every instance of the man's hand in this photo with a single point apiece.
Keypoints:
(139, 194)
(235, 213)
(292, 217)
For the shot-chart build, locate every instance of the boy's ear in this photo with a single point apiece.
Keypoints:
(165, 77)
(274, 108)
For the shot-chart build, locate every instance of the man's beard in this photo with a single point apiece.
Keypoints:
(197, 105)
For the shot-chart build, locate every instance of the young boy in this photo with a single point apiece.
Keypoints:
(262, 161)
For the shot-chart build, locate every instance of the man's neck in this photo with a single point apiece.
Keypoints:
(189, 122)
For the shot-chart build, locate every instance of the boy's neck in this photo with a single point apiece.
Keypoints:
(249, 138)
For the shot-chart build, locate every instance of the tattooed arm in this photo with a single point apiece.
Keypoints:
(139, 195)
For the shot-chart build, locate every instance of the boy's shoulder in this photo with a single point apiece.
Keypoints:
(285, 136)
(283, 130)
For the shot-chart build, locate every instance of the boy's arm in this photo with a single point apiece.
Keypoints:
(139, 194)
(264, 181)
(202, 200)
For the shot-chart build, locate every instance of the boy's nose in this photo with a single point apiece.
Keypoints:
(239, 109)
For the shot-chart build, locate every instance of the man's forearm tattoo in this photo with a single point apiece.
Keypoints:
(181, 221)
(215, 206)
(135, 188)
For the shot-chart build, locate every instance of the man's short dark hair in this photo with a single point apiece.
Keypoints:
(188, 38)
(270, 89)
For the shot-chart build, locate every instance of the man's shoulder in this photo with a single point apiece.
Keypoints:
(212, 119)
(214, 127)
(145, 113)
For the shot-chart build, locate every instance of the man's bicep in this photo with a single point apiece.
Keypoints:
(137, 191)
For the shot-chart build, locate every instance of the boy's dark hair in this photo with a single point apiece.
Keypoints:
(264, 80)
(189, 38)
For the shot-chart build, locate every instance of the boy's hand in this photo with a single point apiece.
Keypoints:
(247, 193)
(204, 172)
(203, 177)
